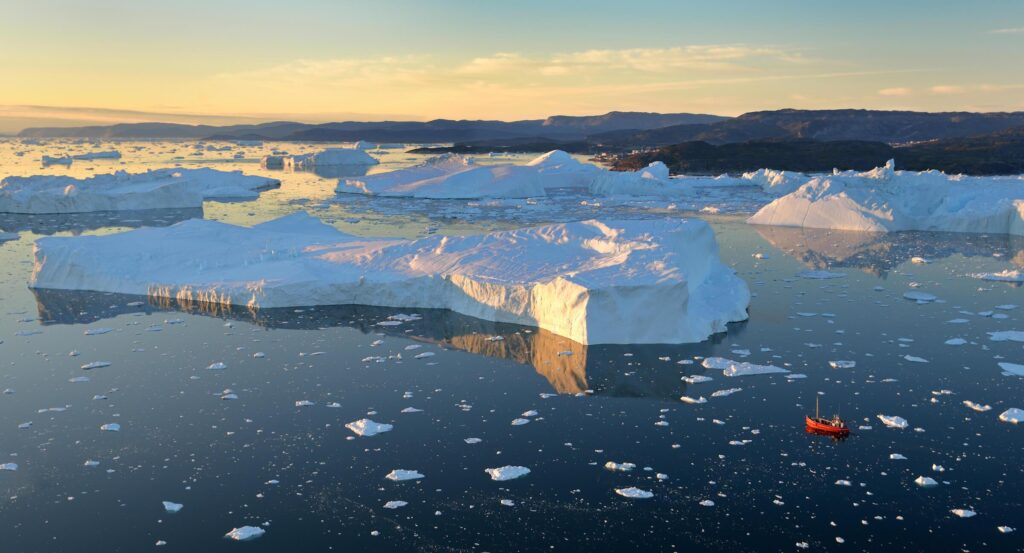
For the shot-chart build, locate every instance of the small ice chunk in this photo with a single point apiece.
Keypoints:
(622, 467)
(95, 365)
(111, 427)
(1012, 415)
(925, 481)
(892, 421)
(634, 493)
(842, 364)
(395, 504)
(366, 427)
(963, 513)
(218, 366)
(507, 472)
(172, 507)
(245, 533)
(401, 475)
(740, 368)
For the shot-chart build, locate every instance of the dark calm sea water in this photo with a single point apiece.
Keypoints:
(313, 485)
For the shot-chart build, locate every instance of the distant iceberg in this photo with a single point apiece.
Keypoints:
(452, 176)
(157, 189)
(594, 282)
(885, 200)
(329, 158)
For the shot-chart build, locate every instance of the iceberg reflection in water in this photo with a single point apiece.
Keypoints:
(77, 223)
(878, 253)
(648, 371)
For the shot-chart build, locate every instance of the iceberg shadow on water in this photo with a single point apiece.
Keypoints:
(568, 366)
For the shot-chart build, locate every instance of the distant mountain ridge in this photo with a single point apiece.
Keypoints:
(892, 127)
(559, 127)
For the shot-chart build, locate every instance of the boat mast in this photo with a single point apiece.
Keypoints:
(816, 414)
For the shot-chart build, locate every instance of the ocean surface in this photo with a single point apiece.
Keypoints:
(262, 441)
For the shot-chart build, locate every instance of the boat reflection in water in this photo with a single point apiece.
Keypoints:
(569, 367)
(878, 253)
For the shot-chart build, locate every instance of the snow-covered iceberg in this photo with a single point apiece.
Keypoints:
(329, 158)
(593, 282)
(452, 176)
(885, 200)
(156, 189)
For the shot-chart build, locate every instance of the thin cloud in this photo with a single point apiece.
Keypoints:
(895, 91)
(1007, 31)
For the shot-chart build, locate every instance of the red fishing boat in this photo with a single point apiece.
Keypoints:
(821, 425)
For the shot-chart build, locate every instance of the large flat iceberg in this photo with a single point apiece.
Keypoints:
(885, 200)
(453, 176)
(594, 282)
(120, 191)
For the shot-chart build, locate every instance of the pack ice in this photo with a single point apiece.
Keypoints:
(156, 189)
(452, 176)
(886, 200)
(594, 282)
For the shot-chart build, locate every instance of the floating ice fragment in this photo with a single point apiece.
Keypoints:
(915, 359)
(897, 457)
(634, 493)
(955, 342)
(395, 504)
(218, 366)
(925, 481)
(520, 422)
(707, 503)
(694, 401)
(696, 379)
(1012, 415)
(1007, 335)
(401, 475)
(842, 364)
(97, 331)
(95, 365)
(111, 427)
(366, 427)
(920, 297)
(245, 533)
(977, 406)
(622, 467)
(1002, 276)
(172, 507)
(740, 368)
(507, 472)
(727, 392)
(892, 421)
(963, 513)
(9, 466)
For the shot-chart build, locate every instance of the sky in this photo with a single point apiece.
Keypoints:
(72, 62)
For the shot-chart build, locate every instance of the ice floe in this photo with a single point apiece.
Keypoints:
(507, 472)
(634, 493)
(1012, 415)
(401, 475)
(245, 533)
(156, 189)
(886, 200)
(594, 282)
(366, 427)
(892, 421)
(740, 368)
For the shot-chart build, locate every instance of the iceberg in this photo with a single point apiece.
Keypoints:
(452, 176)
(329, 158)
(886, 200)
(656, 281)
(1012, 415)
(121, 191)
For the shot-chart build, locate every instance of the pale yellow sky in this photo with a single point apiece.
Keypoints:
(68, 62)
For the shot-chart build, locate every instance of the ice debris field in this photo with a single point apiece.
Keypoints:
(207, 392)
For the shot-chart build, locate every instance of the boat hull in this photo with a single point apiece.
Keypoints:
(823, 428)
